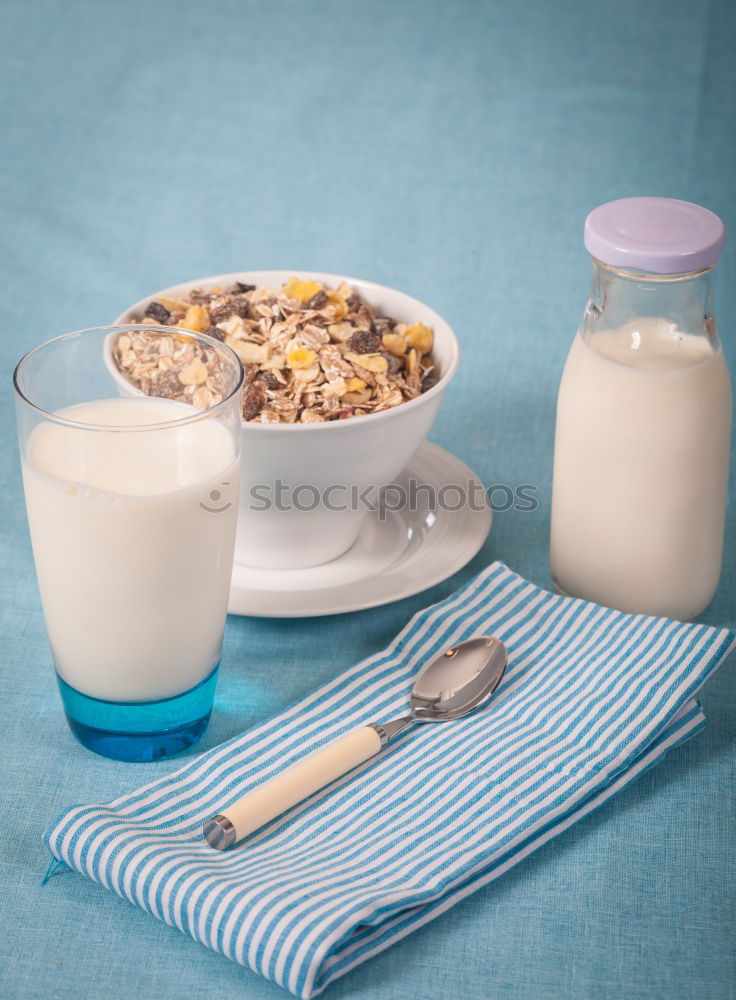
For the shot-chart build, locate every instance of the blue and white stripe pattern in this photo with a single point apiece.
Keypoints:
(591, 698)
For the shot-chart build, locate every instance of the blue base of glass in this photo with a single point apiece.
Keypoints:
(148, 730)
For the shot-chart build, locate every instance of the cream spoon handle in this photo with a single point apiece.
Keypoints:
(297, 782)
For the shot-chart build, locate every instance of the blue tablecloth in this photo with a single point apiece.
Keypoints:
(451, 150)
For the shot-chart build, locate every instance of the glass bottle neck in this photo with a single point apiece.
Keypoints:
(683, 300)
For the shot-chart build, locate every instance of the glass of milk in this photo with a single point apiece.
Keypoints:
(644, 416)
(132, 505)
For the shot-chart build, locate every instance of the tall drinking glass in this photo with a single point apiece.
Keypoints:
(132, 503)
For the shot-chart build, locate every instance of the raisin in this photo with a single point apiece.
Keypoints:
(364, 342)
(218, 314)
(166, 385)
(214, 331)
(394, 364)
(221, 311)
(241, 286)
(318, 300)
(241, 306)
(428, 381)
(269, 380)
(253, 400)
(156, 311)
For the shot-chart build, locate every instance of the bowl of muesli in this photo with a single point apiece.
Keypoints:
(343, 379)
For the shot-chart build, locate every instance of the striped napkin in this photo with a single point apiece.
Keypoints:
(591, 698)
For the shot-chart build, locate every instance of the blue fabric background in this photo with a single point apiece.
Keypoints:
(451, 150)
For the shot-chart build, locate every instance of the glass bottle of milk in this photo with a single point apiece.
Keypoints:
(644, 416)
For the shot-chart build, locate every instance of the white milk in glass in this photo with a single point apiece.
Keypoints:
(641, 463)
(133, 535)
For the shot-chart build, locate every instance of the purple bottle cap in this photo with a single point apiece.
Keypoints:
(660, 235)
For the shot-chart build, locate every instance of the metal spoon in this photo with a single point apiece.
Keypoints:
(449, 686)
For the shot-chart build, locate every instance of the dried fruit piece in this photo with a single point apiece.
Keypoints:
(196, 318)
(372, 362)
(419, 336)
(364, 342)
(395, 364)
(355, 385)
(214, 331)
(318, 300)
(166, 385)
(269, 380)
(338, 303)
(301, 357)
(301, 290)
(253, 400)
(177, 307)
(220, 308)
(240, 306)
(384, 324)
(157, 312)
(394, 343)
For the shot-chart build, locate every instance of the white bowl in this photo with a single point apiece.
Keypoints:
(349, 455)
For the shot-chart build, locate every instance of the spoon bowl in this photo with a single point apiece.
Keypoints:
(459, 680)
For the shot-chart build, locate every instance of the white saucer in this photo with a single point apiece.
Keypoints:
(397, 553)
